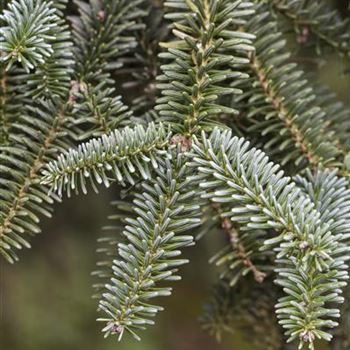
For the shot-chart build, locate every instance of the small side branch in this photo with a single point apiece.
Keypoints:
(236, 244)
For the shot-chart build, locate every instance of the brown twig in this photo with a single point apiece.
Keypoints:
(237, 245)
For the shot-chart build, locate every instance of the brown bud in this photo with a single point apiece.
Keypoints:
(101, 15)
(226, 224)
(184, 142)
(259, 276)
(307, 336)
(303, 245)
(74, 89)
(117, 329)
(304, 35)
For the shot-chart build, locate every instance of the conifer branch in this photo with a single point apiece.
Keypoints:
(100, 35)
(223, 50)
(120, 154)
(281, 105)
(242, 254)
(12, 100)
(202, 62)
(29, 31)
(52, 78)
(36, 130)
(319, 18)
(297, 135)
(165, 210)
(310, 257)
(53, 73)
(23, 198)
(103, 34)
(97, 109)
(248, 307)
(331, 196)
(141, 67)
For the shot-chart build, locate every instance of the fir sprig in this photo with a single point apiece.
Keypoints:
(23, 198)
(29, 32)
(30, 101)
(52, 78)
(241, 255)
(201, 62)
(165, 210)
(318, 23)
(280, 104)
(11, 99)
(97, 109)
(310, 257)
(123, 155)
(102, 34)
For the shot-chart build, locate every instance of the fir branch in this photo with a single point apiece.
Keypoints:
(321, 19)
(122, 210)
(310, 257)
(141, 67)
(52, 78)
(337, 115)
(201, 62)
(165, 210)
(331, 196)
(281, 105)
(97, 110)
(242, 254)
(101, 35)
(302, 226)
(4, 118)
(120, 154)
(248, 308)
(55, 83)
(29, 31)
(23, 198)
(36, 130)
(48, 80)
